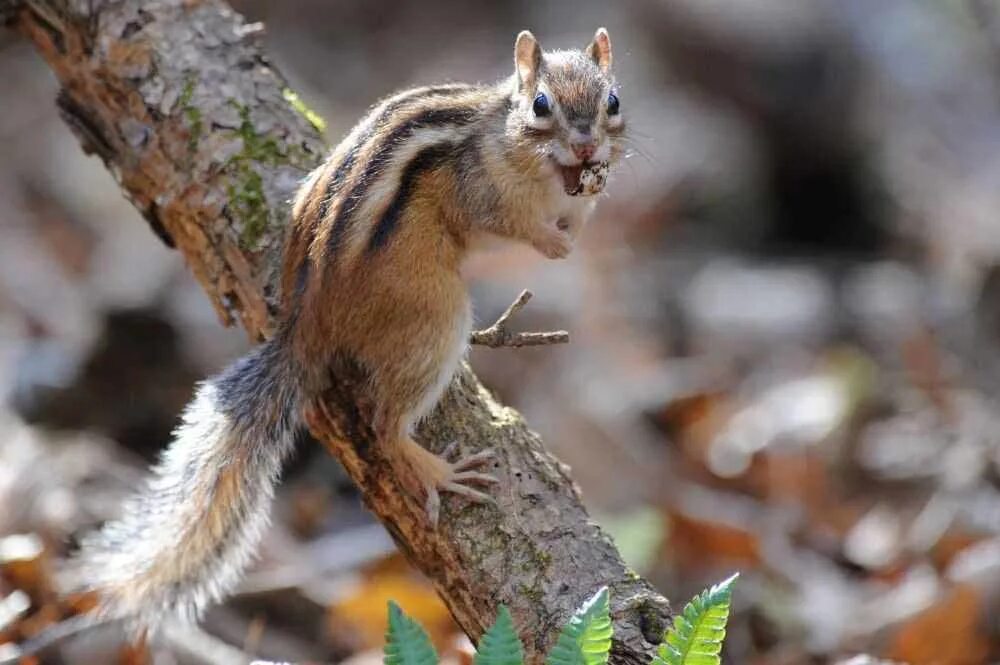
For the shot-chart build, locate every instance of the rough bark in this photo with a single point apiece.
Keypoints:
(180, 102)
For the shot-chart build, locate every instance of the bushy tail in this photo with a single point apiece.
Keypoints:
(184, 541)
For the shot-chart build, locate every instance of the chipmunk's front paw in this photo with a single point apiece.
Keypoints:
(554, 243)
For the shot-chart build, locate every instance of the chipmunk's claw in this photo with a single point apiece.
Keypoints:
(433, 506)
(474, 476)
(474, 460)
(455, 478)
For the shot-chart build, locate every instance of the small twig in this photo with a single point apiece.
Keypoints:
(497, 335)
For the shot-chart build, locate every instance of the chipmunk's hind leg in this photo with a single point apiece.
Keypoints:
(429, 475)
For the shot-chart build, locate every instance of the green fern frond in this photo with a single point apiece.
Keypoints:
(586, 639)
(697, 634)
(500, 645)
(406, 643)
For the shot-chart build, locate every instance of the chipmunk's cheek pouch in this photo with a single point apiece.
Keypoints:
(590, 180)
(571, 178)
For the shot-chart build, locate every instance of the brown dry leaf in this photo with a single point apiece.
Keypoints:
(134, 654)
(80, 603)
(682, 415)
(800, 476)
(361, 617)
(707, 417)
(695, 422)
(23, 564)
(696, 543)
(951, 544)
(950, 633)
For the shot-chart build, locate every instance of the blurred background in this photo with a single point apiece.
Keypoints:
(785, 324)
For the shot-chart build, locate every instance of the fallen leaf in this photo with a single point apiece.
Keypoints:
(697, 543)
(951, 544)
(136, 653)
(949, 633)
(360, 617)
(23, 564)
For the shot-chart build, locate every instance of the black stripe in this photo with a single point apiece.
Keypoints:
(479, 194)
(469, 157)
(345, 166)
(425, 160)
(302, 275)
(383, 155)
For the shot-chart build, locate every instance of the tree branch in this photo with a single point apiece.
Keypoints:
(184, 108)
(498, 335)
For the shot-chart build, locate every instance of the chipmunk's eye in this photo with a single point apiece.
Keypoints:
(613, 104)
(541, 106)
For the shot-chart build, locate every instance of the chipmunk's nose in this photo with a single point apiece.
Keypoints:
(582, 142)
(584, 149)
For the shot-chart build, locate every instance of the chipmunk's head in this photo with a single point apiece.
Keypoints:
(566, 106)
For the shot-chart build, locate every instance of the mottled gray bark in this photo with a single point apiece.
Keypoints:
(180, 102)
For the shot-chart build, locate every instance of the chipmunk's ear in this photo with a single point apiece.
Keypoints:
(600, 49)
(527, 60)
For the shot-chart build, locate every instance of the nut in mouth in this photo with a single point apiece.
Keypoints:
(584, 179)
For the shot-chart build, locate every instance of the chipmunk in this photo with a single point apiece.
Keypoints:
(371, 271)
